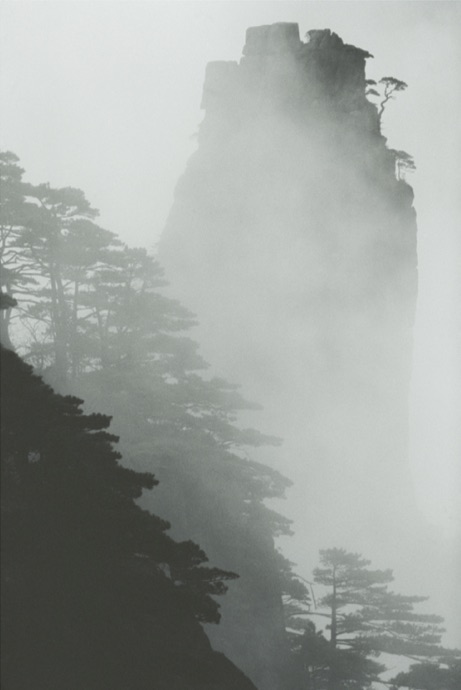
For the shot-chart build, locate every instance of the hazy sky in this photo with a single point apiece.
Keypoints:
(105, 96)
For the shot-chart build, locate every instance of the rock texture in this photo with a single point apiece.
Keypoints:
(294, 242)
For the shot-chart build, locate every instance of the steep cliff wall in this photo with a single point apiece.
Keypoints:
(294, 242)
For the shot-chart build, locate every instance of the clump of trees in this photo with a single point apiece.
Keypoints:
(92, 319)
(431, 676)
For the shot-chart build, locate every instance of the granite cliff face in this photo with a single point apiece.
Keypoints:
(295, 243)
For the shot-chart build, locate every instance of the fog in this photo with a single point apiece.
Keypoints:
(106, 97)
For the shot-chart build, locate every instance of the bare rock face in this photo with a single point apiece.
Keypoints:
(278, 71)
(272, 39)
(295, 244)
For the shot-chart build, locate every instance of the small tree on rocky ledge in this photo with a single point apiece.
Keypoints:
(387, 86)
(404, 163)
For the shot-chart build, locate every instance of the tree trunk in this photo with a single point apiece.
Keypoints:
(58, 312)
(333, 635)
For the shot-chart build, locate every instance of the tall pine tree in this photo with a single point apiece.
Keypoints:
(365, 619)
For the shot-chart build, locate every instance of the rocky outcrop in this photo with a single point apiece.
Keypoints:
(280, 72)
(295, 244)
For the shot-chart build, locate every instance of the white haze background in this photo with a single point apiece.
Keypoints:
(105, 96)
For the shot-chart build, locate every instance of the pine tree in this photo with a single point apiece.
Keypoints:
(365, 619)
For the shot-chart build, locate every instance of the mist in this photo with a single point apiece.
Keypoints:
(304, 280)
(323, 279)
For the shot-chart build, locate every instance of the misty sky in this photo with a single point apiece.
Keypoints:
(105, 96)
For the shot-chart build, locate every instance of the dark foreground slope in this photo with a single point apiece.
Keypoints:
(95, 595)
